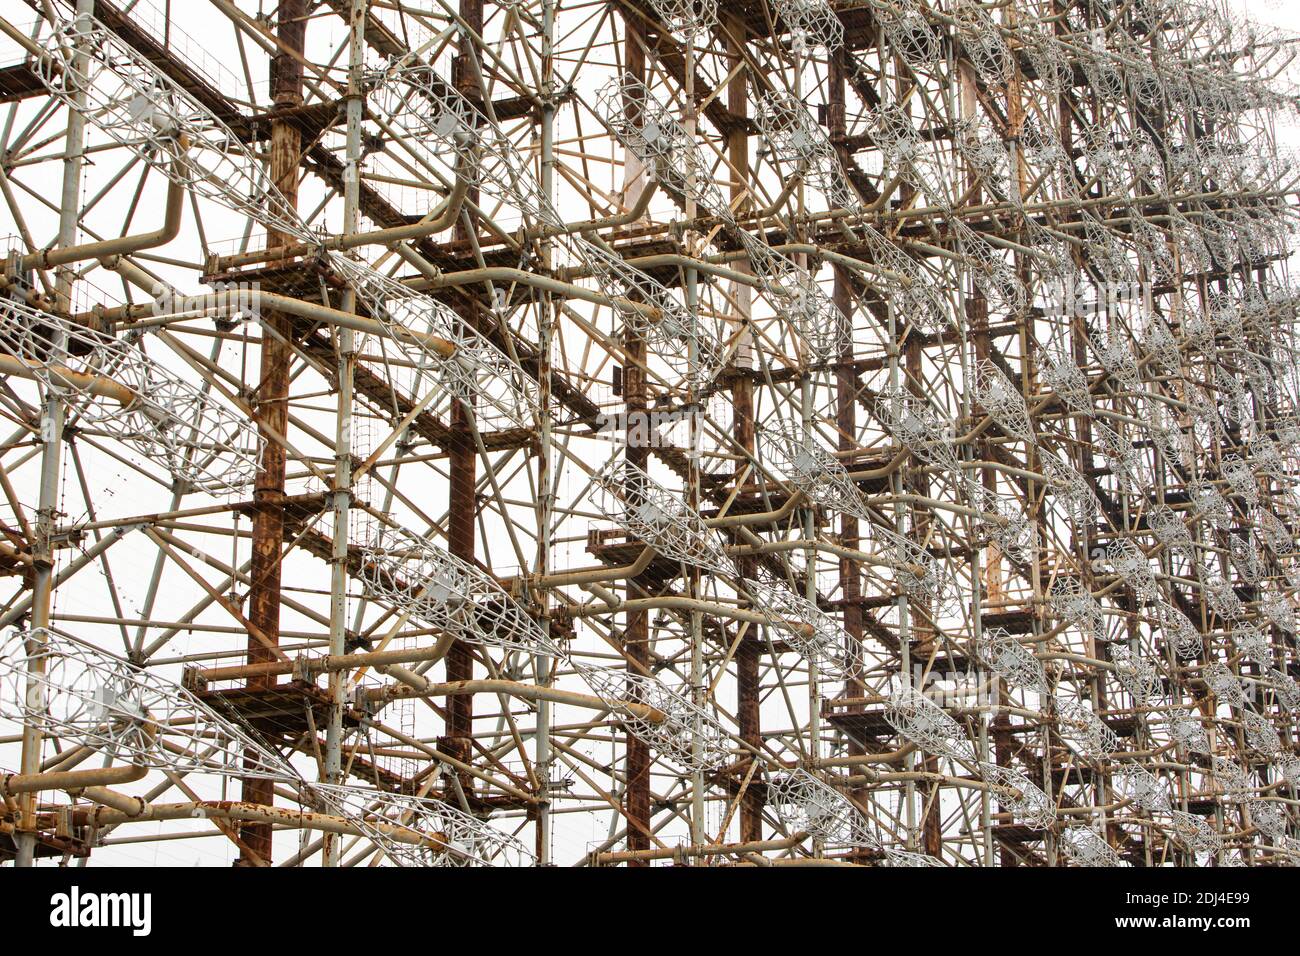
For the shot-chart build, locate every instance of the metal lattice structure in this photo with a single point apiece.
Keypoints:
(847, 431)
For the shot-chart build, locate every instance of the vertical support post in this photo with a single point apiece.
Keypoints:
(749, 652)
(809, 512)
(51, 436)
(846, 387)
(636, 636)
(693, 457)
(462, 455)
(272, 404)
(545, 479)
(346, 369)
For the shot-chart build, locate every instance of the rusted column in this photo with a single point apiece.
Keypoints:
(748, 717)
(846, 387)
(922, 632)
(460, 539)
(637, 630)
(636, 635)
(272, 400)
(748, 654)
(846, 419)
(462, 456)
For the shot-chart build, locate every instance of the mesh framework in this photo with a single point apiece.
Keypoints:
(527, 433)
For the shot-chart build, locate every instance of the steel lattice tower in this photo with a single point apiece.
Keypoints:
(602, 433)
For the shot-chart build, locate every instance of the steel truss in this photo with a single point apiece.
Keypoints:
(860, 432)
